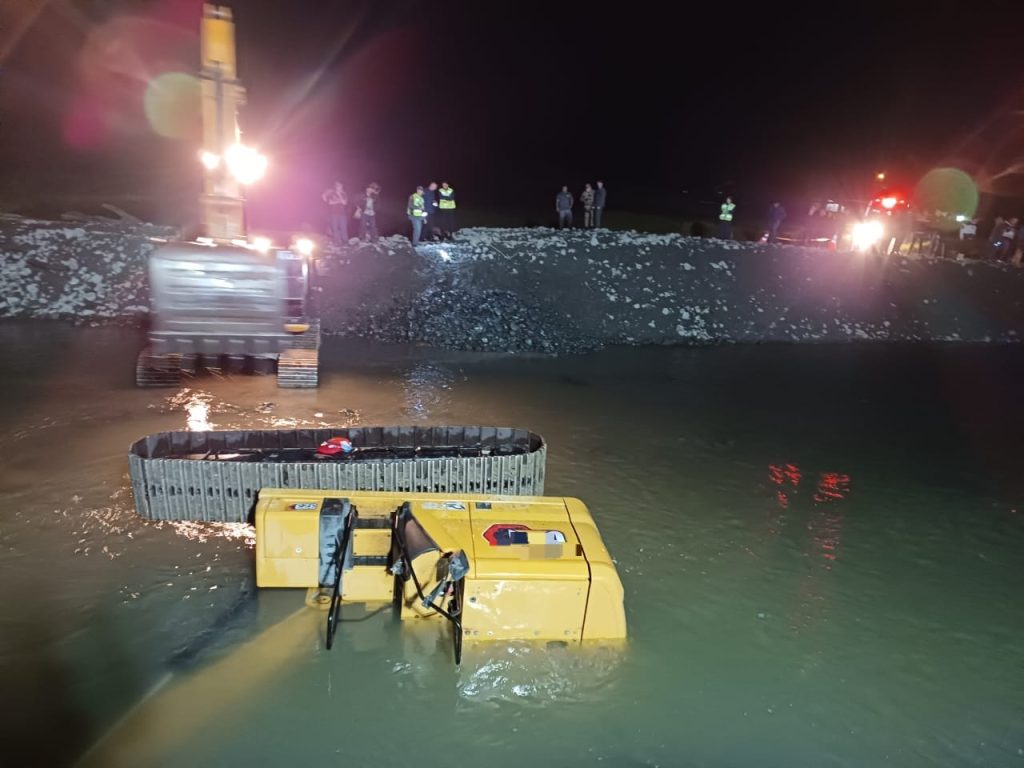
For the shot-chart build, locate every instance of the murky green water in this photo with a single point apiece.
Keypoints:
(821, 549)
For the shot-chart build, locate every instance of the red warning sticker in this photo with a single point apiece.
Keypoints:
(510, 534)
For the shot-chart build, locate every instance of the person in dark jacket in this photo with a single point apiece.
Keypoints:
(587, 198)
(600, 195)
(337, 206)
(431, 223)
(563, 207)
(776, 215)
(1009, 239)
(366, 212)
(995, 239)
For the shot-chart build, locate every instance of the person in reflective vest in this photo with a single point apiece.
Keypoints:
(725, 219)
(446, 210)
(417, 212)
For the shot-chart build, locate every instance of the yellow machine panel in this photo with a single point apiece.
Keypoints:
(367, 585)
(372, 542)
(287, 542)
(217, 40)
(531, 609)
(446, 520)
(606, 616)
(499, 568)
(221, 206)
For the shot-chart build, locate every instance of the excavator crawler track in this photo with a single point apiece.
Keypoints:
(298, 369)
(157, 370)
(308, 340)
(216, 476)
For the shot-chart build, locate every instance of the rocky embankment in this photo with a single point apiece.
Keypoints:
(540, 290)
(543, 290)
(88, 270)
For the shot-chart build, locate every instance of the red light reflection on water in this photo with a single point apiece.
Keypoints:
(824, 525)
(832, 486)
(785, 476)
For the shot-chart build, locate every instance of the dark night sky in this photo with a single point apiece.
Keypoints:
(510, 100)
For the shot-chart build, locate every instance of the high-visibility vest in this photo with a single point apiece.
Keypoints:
(447, 202)
(727, 209)
(417, 208)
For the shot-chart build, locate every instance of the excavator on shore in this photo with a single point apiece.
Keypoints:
(225, 301)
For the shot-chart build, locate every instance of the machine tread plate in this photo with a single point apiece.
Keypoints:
(157, 370)
(309, 339)
(175, 475)
(298, 369)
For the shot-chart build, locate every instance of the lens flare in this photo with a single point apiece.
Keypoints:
(171, 103)
(947, 189)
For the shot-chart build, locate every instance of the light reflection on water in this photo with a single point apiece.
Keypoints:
(537, 675)
(198, 406)
(201, 533)
(427, 387)
(198, 417)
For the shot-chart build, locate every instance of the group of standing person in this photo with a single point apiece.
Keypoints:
(432, 210)
(727, 213)
(593, 201)
(364, 212)
(1006, 242)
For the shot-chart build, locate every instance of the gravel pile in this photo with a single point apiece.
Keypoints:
(551, 292)
(634, 288)
(82, 272)
(493, 321)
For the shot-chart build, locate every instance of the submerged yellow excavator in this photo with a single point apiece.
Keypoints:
(493, 567)
(503, 568)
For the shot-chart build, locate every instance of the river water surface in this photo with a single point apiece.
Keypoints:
(821, 548)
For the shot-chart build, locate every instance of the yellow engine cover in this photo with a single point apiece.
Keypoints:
(538, 568)
(288, 540)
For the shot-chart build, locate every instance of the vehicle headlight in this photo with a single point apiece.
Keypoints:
(209, 160)
(304, 246)
(245, 163)
(867, 234)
